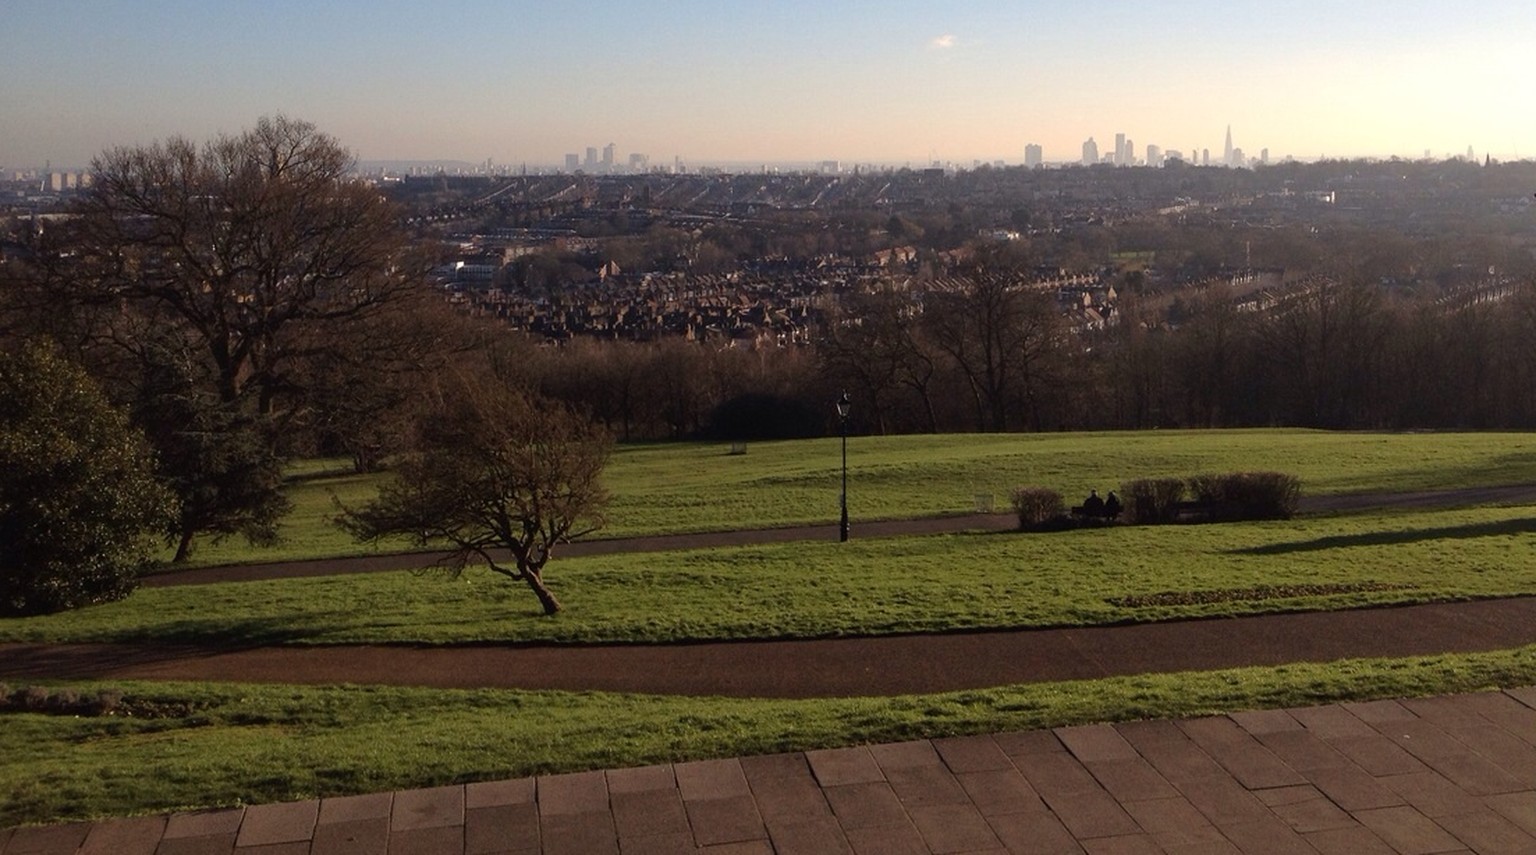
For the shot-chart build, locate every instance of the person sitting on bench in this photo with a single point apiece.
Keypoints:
(1093, 506)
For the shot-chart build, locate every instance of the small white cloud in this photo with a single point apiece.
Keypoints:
(943, 42)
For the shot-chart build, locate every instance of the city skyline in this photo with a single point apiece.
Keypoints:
(890, 83)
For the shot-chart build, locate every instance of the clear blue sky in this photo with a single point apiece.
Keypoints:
(773, 80)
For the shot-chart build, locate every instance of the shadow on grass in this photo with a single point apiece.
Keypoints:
(1393, 538)
(106, 657)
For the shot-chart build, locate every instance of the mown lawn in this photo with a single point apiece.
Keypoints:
(251, 744)
(864, 587)
(687, 487)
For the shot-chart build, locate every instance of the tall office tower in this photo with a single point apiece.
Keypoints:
(1090, 152)
(1034, 155)
(608, 156)
(572, 162)
(1205, 157)
(591, 161)
(1119, 149)
(1154, 155)
(1226, 157)
(1264, 156)
(639, 162)
(1130, 154)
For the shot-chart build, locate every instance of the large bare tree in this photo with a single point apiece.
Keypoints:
(247, 243)
(1001, 336)
(219, 276)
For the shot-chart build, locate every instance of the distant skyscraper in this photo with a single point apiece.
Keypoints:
(1205, 157)
(1090, 152)
(1154, 155)
(572, 162)
(608, 151)
(639, 162)
(1034, 155)
(1226, 157)
(1130, 154)
(1120, 150)
(591, 161)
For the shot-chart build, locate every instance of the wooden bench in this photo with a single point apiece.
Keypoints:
(1082, 512)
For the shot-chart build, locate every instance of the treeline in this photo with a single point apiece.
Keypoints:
(991, 357)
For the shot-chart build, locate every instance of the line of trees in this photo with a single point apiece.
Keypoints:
(987, 355)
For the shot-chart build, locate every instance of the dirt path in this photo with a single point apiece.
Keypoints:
(889, 665)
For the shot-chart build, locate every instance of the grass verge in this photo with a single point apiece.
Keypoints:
(870, 587)
(245, 744)
(689, 487)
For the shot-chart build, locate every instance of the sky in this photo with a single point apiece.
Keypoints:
(773, 81)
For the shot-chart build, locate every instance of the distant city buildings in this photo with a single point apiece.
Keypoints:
(1034, 155)
(609, 162)
(1154, 155)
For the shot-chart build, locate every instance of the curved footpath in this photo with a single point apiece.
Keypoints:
(823, 667)
(886, 665)
(1447, 774)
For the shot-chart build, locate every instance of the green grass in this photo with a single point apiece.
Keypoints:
(864, 587)
(251, 744)
(689, 487)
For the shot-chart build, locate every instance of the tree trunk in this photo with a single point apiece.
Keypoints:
(183, 547)
(546, 597)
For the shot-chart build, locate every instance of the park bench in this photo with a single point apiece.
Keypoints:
(1082, 512)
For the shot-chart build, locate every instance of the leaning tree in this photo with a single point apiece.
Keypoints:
(500, 476)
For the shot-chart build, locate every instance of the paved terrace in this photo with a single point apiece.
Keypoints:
(1444, 774)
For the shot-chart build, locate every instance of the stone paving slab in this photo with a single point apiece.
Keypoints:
(1429, 775)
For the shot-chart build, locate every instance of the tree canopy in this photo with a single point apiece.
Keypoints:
(79, 506)
(218, 285)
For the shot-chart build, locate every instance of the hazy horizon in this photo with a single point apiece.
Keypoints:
(725, 82)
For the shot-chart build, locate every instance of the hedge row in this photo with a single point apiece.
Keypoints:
(1154, 501)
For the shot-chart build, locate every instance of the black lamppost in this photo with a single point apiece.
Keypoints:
(843, 405)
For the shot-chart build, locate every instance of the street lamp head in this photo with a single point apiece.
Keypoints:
(843, 405)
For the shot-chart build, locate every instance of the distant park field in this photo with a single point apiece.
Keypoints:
(692, 487)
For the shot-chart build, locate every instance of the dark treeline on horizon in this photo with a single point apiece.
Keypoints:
(1331, 355)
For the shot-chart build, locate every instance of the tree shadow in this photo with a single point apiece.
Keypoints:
(1393, 538)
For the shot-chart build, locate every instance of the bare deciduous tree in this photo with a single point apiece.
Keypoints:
(243, 242)
(498, 473)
